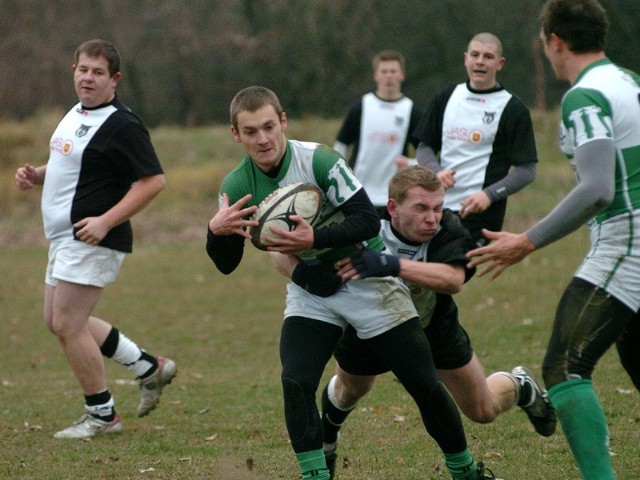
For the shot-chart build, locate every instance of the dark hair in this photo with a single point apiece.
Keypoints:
(582, 24)
(252, 99)
(99, 48)
(415, 176)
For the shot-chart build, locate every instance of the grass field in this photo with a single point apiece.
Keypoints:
(222, 416)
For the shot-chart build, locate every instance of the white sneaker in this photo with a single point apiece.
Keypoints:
(151, 387)
(88, 426)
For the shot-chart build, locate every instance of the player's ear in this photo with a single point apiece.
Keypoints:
(283, 121)
(392, 208)
(116, 78)
(235, 134)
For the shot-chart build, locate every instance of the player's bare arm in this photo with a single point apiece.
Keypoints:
(439, 277)
(93, 229)
(285, 264)
(233, 219)
(28, 176)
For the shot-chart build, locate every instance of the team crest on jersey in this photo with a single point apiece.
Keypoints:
(399, 121)
(488, 117)
(82, 130)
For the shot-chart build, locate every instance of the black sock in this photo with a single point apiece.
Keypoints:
(332, 418)
(107, 413)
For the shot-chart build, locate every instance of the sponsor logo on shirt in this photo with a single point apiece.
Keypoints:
(382, 137)
(61, 145)
(462, 134)
(476, 99)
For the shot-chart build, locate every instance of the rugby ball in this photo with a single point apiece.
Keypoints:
(275, 211)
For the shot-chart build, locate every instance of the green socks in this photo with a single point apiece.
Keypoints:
(313, 465)
(585, 427)
(460, 465)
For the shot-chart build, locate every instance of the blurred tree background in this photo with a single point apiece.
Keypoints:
(185, 59)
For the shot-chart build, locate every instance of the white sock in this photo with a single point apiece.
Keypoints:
(130, 355)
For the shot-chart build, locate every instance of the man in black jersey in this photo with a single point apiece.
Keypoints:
(426, 247)
(478, 137)
(102, 170)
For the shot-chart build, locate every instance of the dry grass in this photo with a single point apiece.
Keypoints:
(222, 417)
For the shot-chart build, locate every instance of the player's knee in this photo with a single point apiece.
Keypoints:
(61, 329)
(480, 412)
(303, 421)
(349, 391)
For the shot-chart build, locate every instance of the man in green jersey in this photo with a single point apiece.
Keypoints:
(600, 133)
(313, 322)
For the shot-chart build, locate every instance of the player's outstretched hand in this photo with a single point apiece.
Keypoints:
(504, 250)
(370, 263)
(232, 219)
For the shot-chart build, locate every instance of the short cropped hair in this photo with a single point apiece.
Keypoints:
(251, 99)
(414, 176)
(486, 37)
(582, 24)
(388, 55)
(100, 48)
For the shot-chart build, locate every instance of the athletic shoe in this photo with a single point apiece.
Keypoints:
(151, 387)
(89, 426)
(483, 473)
(541, 413)
(330, 457)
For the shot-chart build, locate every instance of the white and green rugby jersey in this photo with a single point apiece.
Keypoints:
(604, 103)
(303, 162)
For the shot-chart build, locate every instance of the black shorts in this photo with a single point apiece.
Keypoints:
(450, 344)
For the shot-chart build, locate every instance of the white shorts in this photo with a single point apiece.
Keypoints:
(78, 262)
(613, 263)
(372, 306)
